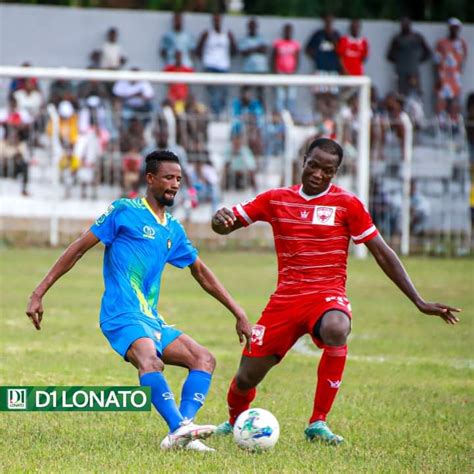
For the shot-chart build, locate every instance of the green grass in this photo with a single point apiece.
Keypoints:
(405, 404)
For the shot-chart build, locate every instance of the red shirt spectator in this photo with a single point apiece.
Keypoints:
(286, 52)
(178, 92)
(353, 51)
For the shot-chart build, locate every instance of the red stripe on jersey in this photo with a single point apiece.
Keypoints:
(311, 235)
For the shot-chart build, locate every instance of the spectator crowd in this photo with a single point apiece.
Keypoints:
(126, 119)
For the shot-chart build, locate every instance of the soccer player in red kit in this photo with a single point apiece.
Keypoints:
(312, 224)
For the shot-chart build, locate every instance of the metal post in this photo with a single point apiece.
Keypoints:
(363, 145)
(55, 188)
(406, 169)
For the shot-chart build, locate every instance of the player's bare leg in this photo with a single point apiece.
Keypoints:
(242, 391)
(333, 330)
(142, 354)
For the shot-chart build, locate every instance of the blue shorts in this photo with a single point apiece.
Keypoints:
(122, 331)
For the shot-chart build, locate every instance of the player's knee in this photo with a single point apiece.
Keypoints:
(206, 361)
(150, 364)
(335, 329)
(245, 381)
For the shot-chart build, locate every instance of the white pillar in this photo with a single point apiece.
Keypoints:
(406, 184)
(363, 162)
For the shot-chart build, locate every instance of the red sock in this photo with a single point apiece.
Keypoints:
(238, 400)
(331, 367)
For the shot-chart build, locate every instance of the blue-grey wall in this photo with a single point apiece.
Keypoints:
(58, 36)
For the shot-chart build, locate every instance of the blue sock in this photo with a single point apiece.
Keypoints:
(194, 393)
(162, 398)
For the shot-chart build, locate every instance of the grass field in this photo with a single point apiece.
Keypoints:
(405, 404)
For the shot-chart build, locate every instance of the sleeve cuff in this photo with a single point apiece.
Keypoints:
(367, 235)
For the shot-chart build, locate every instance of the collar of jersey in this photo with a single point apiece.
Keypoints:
(161, 222)
(309, 198)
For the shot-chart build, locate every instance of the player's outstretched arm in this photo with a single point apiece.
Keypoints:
(209, 282)
(65, 262)
(224, 222)
(394, 269)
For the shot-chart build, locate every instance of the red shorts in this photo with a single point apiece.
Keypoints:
(285, 319)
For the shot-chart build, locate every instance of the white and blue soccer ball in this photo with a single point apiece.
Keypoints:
(256, 429)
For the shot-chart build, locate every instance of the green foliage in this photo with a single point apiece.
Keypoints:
(405, 403)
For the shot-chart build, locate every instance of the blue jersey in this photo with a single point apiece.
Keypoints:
(137, 247)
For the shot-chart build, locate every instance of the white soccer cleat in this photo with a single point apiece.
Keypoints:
(197, 445)
(185, 434)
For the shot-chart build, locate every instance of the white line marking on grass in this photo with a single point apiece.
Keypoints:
(302, 347)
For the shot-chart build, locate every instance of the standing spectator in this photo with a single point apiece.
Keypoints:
(112, 56)
(353, 50)
(408, 49)
(177, 40)
(215, 49)
(136, 98)
(178, 92)
(450, 56)
(321, 48)
(285, 60)
(253, 48)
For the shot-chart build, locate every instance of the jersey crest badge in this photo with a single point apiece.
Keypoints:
(148, 232)
(324, 215)
(258, 332)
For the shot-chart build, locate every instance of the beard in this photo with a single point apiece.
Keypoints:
(164, 201)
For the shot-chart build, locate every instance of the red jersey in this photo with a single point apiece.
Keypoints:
(312, 235)
(178, 91)
(353, 52)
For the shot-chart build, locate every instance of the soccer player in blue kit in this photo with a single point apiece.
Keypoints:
(140, 237)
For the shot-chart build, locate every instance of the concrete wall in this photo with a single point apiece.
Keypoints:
(58, 36)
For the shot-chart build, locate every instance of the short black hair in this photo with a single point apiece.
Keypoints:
(154, 159)
(327, 145)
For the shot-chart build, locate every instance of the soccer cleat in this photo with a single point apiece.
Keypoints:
(224, 429)
(186, 433)
(197, 445)
(319, 431)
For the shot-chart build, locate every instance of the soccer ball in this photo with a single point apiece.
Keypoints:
(256, 429)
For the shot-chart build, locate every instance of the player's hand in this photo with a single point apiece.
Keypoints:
(244, 330)
(445, 312)
(224, 217)
(34, 310)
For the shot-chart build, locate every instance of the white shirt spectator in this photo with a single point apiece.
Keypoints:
(29, 102)
(111, 57)
(216, 52)
(134, 94)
